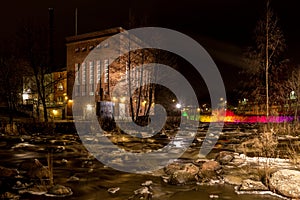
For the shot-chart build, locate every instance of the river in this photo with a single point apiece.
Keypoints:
(71, 159)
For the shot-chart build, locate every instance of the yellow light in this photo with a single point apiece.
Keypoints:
(54, 112)
(70, 101)
(25, 96)
(66, 97)
(198, 109)
(89, 107)
(122, 99)
(144, 102)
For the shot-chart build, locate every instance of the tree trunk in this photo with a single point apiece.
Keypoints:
(267, 63)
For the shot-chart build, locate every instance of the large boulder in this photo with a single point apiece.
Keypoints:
(186, 174)
(286, 182)
(233, 180)
(35, 169)
(60, 190)
(7, 172)
(210, 170)
(171, 168)
(224, 157)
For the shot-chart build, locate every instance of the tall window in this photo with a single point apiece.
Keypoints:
(106, 71)
(98, 71)
(60, 86)
(91, 79)
(83, 79)
(77, 78)
(127, 71)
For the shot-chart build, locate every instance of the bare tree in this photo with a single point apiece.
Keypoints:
(10, 82)
(33, 43)
(266, 62)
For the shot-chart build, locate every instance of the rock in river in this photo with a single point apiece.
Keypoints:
(224, 157)
(60, 190)
(6, 172)
(210, 170)
(286, 182)
(184, 175)
(251, 185)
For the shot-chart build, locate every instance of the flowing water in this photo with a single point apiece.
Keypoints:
(71, 159)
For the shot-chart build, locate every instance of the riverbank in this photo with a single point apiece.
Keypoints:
(233, 165)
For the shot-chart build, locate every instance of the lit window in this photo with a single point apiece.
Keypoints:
(106, 74)
(60, 86)
(91, 73)
(83, 74)
(98, 71)
(77, 78)
(83, 79)
(59, 99)
(91, 79)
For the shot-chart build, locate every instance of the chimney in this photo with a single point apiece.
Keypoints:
(76, 21)
(51, 32)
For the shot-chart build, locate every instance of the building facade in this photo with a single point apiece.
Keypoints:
(94, 71)
(55, 95)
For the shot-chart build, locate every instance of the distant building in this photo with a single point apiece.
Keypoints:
(95, 77)
(56, 95)
(289, 107)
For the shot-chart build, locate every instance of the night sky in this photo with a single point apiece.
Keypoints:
(223, 27)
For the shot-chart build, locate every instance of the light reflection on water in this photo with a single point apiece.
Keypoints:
(93, 185)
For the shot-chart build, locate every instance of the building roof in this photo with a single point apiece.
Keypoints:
(97, 34)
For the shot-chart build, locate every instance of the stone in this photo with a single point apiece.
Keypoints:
(210, 169)
(35, 169)
(8, 195)
(27, 165)
(60, 190)
(224, 157)
(142, 190)
(232, 180)
(286, 182)
(142, 193)
(39, 172)
(184, 175)
(170, 169)
(113, 190)
(73, 179)
(147, 183)
(7, 172)
(251, 185)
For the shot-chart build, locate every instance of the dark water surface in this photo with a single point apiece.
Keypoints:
(71, 159)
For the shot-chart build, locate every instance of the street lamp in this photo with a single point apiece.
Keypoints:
(54, 113)
(178, 105)
(25, 97)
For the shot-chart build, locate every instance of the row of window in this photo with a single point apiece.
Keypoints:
(91, 47)
(87, 72)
